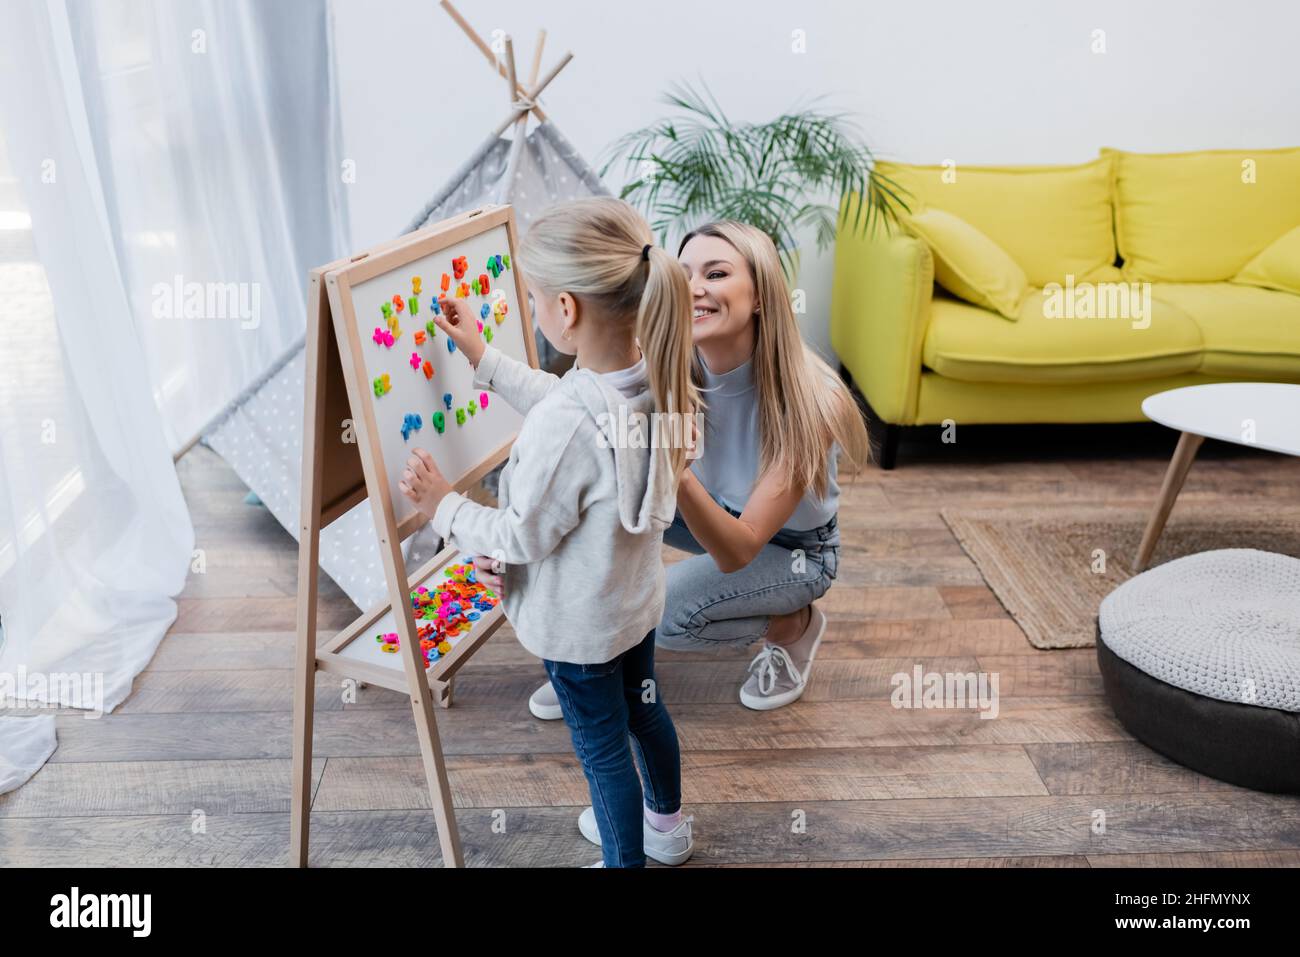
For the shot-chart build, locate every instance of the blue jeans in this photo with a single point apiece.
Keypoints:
(707, 609)
(603, 704)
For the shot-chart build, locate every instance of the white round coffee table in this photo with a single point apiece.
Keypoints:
(1261, 414)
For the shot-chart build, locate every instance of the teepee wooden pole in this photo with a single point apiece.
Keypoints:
(491, 57)
(510, 67)
(537, 58)
(522, 122)
(531, 96)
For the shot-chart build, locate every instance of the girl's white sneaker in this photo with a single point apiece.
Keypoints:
(545, 703)
(667, 847)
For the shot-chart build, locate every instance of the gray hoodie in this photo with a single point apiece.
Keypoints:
(580, 515)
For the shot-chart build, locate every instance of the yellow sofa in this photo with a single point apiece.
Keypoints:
(1090, 241)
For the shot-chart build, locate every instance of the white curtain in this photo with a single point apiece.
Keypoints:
(157, 147)
(215, 126)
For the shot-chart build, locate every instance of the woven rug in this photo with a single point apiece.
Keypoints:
(1051, 568)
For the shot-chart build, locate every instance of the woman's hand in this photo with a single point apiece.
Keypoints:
(423, 484)
(459, 320)
(489, 571)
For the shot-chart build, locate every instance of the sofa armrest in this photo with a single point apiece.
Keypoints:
(880, 308)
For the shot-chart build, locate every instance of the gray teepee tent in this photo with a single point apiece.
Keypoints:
(260, 434)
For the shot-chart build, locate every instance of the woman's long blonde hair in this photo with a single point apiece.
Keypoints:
(592, 249)
(803, 407)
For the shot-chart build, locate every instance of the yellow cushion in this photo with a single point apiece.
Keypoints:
(972, 344)
(1277, 267)
(1194, 217)
(969, 264)
(1247, 331)
(1052, 220)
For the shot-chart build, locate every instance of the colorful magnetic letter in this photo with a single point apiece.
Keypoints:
(483, 399)
(412, 423)
(439, 422)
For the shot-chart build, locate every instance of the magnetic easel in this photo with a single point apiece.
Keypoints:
(337, 475)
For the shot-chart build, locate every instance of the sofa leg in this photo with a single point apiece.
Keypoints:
(882, 435)
(884, 443)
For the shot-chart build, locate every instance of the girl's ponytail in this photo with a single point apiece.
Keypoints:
(600, 251)
(663, 327)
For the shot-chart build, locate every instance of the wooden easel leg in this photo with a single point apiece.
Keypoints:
(309, 526)
(426, 725)
(304, 697)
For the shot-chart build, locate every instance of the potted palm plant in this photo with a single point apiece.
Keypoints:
(806, 168)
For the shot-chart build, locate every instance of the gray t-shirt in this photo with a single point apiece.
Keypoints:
(728, 467)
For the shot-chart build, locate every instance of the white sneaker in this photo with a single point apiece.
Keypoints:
(545, 703)
(667, 847)
(775, 678)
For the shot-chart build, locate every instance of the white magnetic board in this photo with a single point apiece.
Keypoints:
(462, 444)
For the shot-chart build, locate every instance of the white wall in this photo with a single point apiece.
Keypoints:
(1006, 81)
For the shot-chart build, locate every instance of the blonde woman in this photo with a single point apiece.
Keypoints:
(581, 518)
(758, 507)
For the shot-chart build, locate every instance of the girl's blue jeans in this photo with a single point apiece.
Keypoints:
(607, 706)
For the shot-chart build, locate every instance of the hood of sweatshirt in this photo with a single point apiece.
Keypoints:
(647, 495)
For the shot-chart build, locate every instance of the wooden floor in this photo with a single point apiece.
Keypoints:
(193, 769)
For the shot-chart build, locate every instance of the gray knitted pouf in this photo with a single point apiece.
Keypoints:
(1200, 659)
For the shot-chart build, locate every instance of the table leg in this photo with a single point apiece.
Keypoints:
(1179, 465)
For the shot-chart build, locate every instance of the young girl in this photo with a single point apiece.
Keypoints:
(582, 515)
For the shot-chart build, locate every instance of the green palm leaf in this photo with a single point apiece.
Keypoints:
(805, 169)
